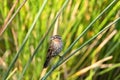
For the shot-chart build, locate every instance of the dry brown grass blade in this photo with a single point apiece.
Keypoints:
(54, 33)
(15, 38)
(105, 41)
(11, 73)
(95, 65)
(56, 27)
(43, 72)
(7, 18)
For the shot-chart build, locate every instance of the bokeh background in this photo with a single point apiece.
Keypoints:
(72, 21)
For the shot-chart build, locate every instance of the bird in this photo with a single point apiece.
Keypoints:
(55, 47)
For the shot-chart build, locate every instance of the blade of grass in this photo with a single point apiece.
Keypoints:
(95, 65)
(41, 41)
(14, 60)
(109, 15)
(24, 41)
(5, 26)
(89, 26)
(8, 17)
(60, 62)
(113, 48)
(11, 73)
(109, 69)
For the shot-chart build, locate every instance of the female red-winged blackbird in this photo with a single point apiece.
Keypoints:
(54, 48)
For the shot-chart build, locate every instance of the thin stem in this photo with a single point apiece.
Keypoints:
(63, 60)
(8, 17)
(64, 5)
(89, 26)
(41, 41)
(108, 26)
(36, 18)
(16, 56)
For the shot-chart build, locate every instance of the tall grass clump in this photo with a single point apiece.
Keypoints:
(90, 30)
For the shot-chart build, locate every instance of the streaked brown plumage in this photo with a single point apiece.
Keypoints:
(54, 48)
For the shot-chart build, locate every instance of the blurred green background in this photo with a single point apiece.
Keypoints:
(73, 20)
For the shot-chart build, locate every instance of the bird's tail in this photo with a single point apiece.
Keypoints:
(47, 62)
